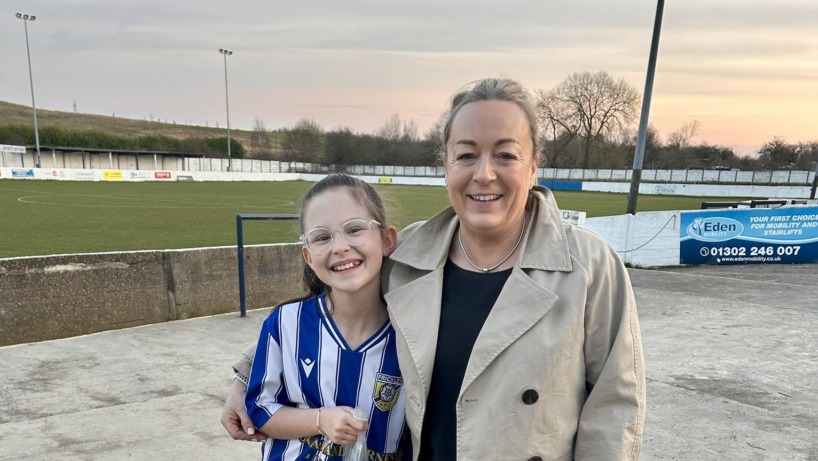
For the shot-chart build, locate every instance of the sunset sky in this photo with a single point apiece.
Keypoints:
(747, 70)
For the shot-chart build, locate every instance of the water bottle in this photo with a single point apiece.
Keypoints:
(357, 451)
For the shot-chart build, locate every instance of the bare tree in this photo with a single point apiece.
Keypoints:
(559, 128)
(681, 138)
(434, 139)
(261, 138)
(591, 105)
(395, 129)
(391, 129)
(807, 155)
(409, 131)
(261, 131)
(398, 143)
(304, 142)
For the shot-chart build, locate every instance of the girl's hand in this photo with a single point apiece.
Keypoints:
(340, 426)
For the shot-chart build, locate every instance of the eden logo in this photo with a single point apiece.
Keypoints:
(716, 229)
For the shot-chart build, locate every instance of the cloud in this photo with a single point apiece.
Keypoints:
(358, 61)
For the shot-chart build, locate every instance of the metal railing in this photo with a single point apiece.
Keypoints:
(240, 218)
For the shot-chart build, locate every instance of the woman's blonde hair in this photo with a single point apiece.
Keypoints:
(495, 89)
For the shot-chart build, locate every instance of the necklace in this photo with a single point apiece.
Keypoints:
(489, 269)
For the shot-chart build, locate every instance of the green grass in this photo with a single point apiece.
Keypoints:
(57, 217)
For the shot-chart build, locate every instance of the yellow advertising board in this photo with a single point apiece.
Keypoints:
(112, 175)
(384, 180)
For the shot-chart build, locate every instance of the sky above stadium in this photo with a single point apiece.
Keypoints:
(747, 70)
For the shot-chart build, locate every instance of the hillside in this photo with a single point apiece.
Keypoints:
(15, 114)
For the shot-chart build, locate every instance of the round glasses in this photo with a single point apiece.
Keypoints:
(355, 232)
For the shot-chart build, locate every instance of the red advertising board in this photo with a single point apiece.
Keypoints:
(161, 174)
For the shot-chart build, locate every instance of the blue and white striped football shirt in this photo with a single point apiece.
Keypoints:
(303, 361)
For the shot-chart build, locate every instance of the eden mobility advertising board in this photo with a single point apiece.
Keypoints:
(787, 235)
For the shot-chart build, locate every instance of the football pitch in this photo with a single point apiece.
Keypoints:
(62, 217)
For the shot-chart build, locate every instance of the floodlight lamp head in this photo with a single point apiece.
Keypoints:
(229, 53)
(32, 17)
(19, 16)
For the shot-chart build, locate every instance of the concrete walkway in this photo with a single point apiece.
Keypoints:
(732, 366)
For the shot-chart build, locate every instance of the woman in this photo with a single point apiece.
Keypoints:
(517, 333)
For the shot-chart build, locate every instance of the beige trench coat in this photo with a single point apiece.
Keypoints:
(557, 371)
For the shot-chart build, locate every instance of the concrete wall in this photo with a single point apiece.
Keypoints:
(645, 239)
(52, 297)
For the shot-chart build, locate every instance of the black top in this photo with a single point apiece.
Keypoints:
(467, 300)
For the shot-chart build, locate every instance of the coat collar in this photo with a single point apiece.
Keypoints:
(426, 246)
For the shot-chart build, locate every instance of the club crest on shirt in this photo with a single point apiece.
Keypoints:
(387, 390)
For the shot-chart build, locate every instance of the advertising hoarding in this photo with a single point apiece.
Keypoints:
(787, 235)
(22, 173)
(112, 175)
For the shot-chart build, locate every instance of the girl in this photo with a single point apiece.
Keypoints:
(319, 357)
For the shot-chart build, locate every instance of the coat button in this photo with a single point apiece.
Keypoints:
(530, 397)
(535, 458)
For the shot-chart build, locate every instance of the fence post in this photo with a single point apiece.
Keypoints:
(240, 248)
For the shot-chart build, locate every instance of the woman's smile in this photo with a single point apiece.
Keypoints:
(485, 198)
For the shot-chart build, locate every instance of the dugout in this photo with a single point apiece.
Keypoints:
(100, 159)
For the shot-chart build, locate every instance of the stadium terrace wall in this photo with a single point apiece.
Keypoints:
(148, 162)
(51, 297)
(50, 158)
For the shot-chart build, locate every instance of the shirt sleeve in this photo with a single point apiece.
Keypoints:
(245, 362)
(266, 392)
(612, 419)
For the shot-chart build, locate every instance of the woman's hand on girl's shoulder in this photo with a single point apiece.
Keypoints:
(340, 426)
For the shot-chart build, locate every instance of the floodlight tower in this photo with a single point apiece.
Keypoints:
(225, 52)
(26, 18)
(641, 137)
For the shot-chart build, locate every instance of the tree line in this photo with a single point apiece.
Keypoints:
(397, 142)
(587, 121)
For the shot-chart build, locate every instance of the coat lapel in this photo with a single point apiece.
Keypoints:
(523, 301)
(521, 304)
(414, 310)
